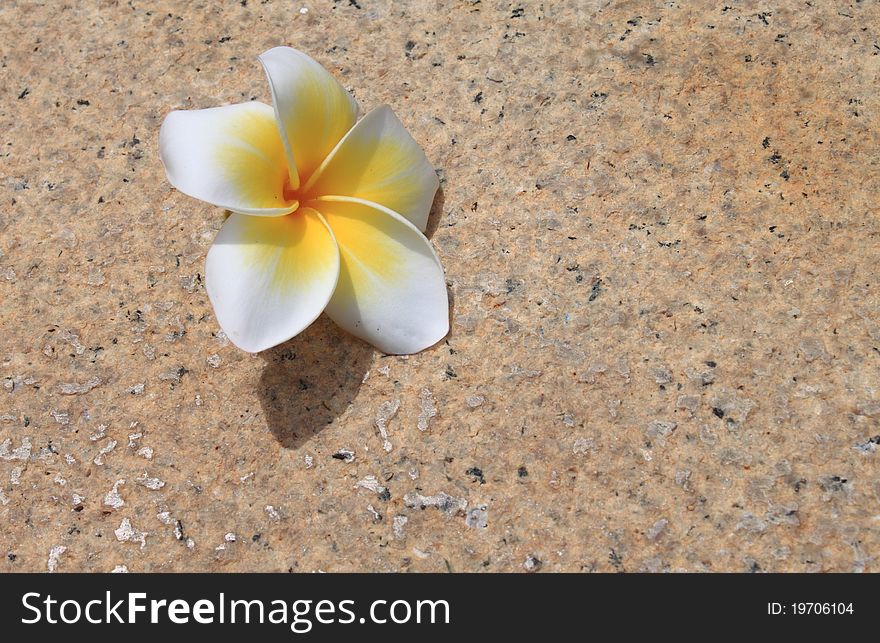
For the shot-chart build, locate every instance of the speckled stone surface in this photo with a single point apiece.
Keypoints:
(659, 226)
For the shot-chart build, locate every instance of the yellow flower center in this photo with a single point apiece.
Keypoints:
(290, 195)
(297, 197)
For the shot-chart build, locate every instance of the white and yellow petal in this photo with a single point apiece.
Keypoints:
(230, 156)
(379, 161)
(269, 278)
(314, 111)
(391, 290)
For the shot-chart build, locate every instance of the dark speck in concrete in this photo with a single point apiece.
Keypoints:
(595, 290)
(477, 474)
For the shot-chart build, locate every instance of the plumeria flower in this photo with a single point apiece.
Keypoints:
(327, 213)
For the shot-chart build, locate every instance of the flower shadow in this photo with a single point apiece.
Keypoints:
(435, 214)
(311, 380)
(434, 218)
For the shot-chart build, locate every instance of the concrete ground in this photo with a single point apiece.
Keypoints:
(659, 226)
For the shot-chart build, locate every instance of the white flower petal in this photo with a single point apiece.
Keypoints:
(269, 278)
(231, 156)
(314, 111)
(379, 161)
(391, 290)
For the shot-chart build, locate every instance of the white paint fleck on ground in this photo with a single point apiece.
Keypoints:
(127, 533)
(47, 452)
(71, 338)
(532, 564)
(62, 417)
(150, 483)
(442, 501)
(112, 498)
(15, 383)
(428, 409)
(517, 371)
(172, 375)
(99, 433)
(370, 483)
(74, 388)
(309, 460)
(166, 518)
(22, 452)
(273, 513)
(583, 446)
(613, 407)
(137, 389)
(475, 401)
(146, 452)
(387, 410)
(397, 526)
(214, 360)
(228, 539)
(376, 515)
(659, 430)
(15, 475)
(477, 517)
(99, 459)
(119, 569)
(54, 555)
